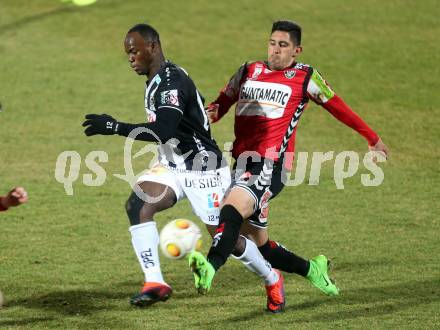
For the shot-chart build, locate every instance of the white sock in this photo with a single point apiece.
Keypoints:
(145, 240)
(255, 262)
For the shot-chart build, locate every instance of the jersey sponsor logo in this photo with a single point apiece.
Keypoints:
(170, 97)
(213, 201)
(204, 183)
(265, 93)
(263, 99)
(289, 74)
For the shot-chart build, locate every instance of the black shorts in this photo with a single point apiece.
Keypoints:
(263, 180)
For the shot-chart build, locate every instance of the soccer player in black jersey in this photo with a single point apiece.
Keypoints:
(189, 164)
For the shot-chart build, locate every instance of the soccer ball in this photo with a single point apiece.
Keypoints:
(81, 2)
(179, 237)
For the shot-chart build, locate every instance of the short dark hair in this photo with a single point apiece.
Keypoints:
(146, 31)
(291, 27)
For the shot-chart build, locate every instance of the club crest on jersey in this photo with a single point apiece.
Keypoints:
(258, 70)
(170, 97)
(213, 201)
(289, 74)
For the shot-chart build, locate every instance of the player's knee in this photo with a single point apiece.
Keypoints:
(147, 212)
(158, 197)
(239, 247)
(150, 208)
(241, 201)
(230, 212)
(133, 208)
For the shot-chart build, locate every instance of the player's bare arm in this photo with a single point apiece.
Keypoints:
(15, 197)
(380, 147)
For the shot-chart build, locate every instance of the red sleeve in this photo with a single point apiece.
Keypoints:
(225, 103)
(341, 111)
(2, 208)
(230, 93)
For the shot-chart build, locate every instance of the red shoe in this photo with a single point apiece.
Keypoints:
(275, 295)
(151, 293)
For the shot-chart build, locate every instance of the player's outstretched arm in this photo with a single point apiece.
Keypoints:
(227, 96)
(341, 111)
(380, 147)
(100, 125)
(158, 131)
(15, 197)
(321, 93)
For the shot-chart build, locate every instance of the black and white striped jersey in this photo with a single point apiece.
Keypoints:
(191, 146)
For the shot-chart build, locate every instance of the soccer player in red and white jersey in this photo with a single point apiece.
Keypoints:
(190, 164)
(15, 197)
(271, 97)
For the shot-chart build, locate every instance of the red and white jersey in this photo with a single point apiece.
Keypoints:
(269, 105)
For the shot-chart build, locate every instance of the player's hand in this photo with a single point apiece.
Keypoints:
(379, 147)
(100, 124)
(212, 112)
(15, 197)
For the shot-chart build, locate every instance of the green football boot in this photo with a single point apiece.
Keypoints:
(319, 278)
(202, 270)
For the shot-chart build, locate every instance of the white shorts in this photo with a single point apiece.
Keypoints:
(204, 189)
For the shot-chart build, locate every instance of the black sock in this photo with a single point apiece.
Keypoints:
(282, 259)
(226, 236)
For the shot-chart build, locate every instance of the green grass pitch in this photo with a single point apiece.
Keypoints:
(67, 262)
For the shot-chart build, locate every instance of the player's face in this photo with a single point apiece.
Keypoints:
(281, 51)
(140, 53)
